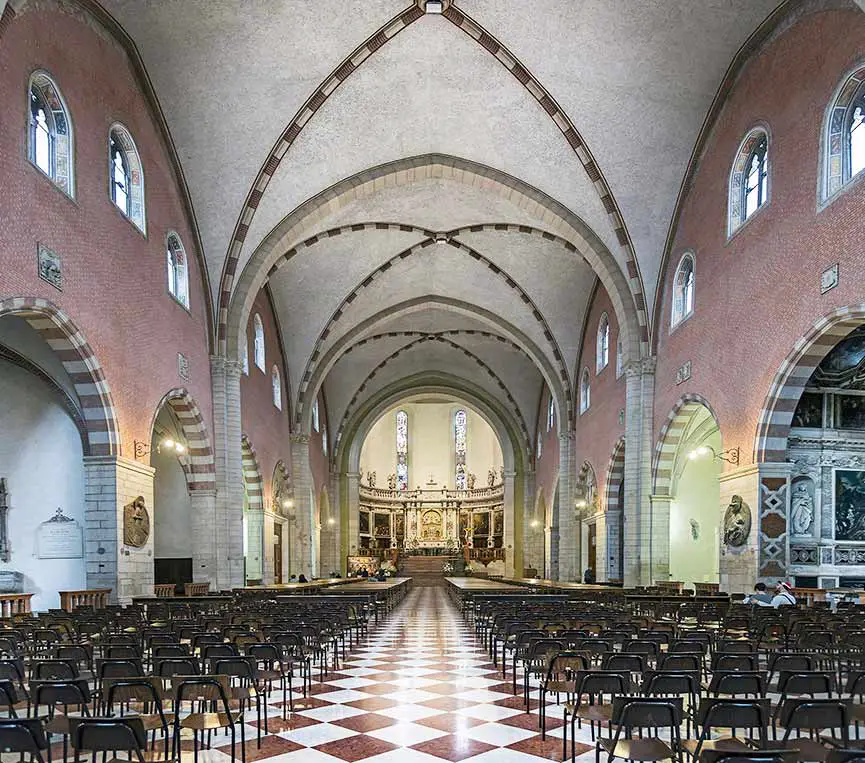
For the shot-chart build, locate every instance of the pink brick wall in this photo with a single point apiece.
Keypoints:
(262, 422)
(598, 429)
(115, 286)
(759, 292)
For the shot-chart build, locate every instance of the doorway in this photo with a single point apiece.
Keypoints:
(593, 548)
(277, 552)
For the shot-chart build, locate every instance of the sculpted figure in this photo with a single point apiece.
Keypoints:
(802, 510)
(136, 523)
(737, 522)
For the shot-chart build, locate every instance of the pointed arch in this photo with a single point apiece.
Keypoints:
(613, 493)
(251, 475)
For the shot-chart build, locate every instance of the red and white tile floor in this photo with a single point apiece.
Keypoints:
(419, 690)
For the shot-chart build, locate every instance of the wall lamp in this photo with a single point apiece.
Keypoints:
(143, 448)
(730, 455)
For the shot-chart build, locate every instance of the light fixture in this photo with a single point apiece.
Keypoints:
(434, 6)
(580, 503)
(142, 448)
(730, 455)
(535, 523)
(331, 521)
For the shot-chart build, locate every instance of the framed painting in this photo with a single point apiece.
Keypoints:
(850, 504)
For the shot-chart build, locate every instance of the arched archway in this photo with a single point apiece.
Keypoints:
(514, 453)
(610, 526)
(253, 512)
(82, 365)
(686, 505)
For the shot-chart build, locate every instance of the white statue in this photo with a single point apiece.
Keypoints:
(802, 510)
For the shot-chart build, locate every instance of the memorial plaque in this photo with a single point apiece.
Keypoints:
(61, 537)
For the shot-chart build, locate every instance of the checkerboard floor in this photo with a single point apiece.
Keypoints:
(418, 690)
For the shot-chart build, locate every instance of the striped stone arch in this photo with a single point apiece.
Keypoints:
(199, 463)
(80, 363)
(670, 437)
(251, 475)
(776, 416)
(615, 476)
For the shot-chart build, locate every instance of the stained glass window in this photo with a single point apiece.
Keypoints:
(401, 450)
(551, 414)
(50, 134)
(460, 427)
(683, 290)
(620, 360)
(258, 342)
(602, 354)
(119, 176)
(585, 391)
(178, 273)
(316, 420)
(757, 180)
(126, 176)
(277, 387)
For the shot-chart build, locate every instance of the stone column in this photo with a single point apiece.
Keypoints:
(660, 536)
(255, 545)
(111, 482)
(351, 482)
(533, 536)
(566, 550)
(203, 526)
(508, 536)
(303, 491)
(637, 514)
(229, 567)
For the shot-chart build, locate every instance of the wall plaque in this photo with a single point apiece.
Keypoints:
(60, 537)
(50, 267)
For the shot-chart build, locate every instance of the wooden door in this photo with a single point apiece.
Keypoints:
(593, 549)
(277, 552)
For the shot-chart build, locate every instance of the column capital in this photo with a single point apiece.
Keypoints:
(641, 367)
(299, 438)
(569, 436)
(221, 364)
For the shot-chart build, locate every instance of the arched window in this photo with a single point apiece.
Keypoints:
(49, 144)
(324, 445)
(258, 342)
(749, 178)
(244, 352)
(277, 387)
(844, 138)
(125, 176)
(683, 290)
(551, 414)
(460, 430)
(178, 272)
(602, 350)
(539, 447)
(620, 360)
(401, 450)
(316, 419)
(585, 391)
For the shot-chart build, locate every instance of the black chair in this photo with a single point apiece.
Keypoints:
(206, 691)
(147, 691)
(733, 714)
(594, 685)
(24, 736)
(93, 735)
(814, 716)
(641, 714)
(271, 667)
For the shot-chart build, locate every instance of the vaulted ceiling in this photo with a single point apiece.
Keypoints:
(594, 105)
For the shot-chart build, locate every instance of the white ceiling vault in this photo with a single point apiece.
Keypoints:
(596, 105)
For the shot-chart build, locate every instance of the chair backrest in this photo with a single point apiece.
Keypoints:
(846, 756)
(176, 666)
(612, 682)
(738, 683)
(268, 653)
(238, 667)
(54, 670)
(680, 662)
(63, 692)
(647, 712)
(105, 734)
(633, 663)
(137, 689)
(814, 715)
(734, 661)
(717, 712)
(795, 662)
(215, 688)
(23, 735)
(757, 756)
(118, 668)
(805, 682)
(661, 683)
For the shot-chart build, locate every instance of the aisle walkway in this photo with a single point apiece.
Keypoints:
(419, 691)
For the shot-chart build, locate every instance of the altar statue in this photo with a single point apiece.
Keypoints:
(802, 510)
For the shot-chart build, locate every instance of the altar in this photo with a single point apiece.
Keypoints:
(432, 527)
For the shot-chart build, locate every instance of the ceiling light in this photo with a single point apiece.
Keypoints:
(434, 6)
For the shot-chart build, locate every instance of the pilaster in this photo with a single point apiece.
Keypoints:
(112, 482)
(304, 496)
(564, 549)
(228, 571)
(203, 506)
(509, 537)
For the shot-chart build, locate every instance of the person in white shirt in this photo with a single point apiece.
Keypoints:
(784, 596)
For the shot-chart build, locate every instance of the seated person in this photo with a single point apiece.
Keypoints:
(589, 576)
(761, 597)
(784, 596)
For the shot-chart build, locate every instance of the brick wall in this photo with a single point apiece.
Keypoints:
(757, 293)
(598, 429)
(262, 422)
(114, 279)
